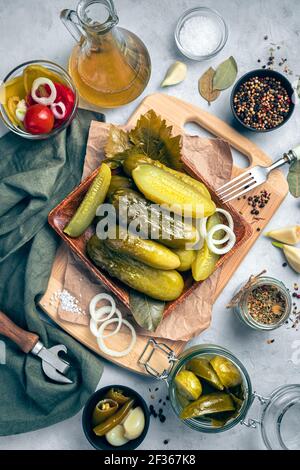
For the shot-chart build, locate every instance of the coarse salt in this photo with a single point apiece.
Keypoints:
(68, 302)
(200, 35)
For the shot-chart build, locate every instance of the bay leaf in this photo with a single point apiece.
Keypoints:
(147, 312)
(154, 137)
(117, 142)
(294, 179)
(225, 75)
(205, 86)
(176, 73)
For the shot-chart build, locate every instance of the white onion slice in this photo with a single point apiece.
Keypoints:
(96, 314)
(211, 242)
(55, 110)
(94, 327)
(230, 225)
(113, 352)
(100, 312)
(46, 100)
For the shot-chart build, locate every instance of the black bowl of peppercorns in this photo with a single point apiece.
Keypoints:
(262, 100)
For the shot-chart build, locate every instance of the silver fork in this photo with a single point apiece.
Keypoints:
(257, 175)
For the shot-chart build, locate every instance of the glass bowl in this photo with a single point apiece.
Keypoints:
(18, 71)
(243, 314)
(219, 22)
(208, 351)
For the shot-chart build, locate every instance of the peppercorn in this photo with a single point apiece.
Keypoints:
(262, 103)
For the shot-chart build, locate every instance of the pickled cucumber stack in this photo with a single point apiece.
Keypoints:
(150, 258)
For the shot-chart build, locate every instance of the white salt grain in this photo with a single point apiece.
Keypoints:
(68, 302)
(200, 35)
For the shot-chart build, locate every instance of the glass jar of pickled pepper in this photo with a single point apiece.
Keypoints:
(225, 395)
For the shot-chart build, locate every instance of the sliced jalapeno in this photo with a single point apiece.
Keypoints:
(114, 420)
(117, 395)
(104, 410)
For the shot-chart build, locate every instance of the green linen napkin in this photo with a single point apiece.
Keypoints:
(34, 177)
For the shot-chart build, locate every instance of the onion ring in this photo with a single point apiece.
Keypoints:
(112, 352)
(96, 314)
(55, 111)
(210, 240)
(230, 225)
(95, 328)
(46, 100)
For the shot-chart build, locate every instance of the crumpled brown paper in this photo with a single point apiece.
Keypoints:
(212, 160)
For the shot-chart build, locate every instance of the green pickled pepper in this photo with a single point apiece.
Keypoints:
(103, 410)
(117, 395)
(114, 420)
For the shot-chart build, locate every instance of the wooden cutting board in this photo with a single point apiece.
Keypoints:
(178, 113)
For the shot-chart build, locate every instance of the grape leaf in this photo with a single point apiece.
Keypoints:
(155, 139)
(118, 142)
(294, 179)
(225, 74)
(205, 85)
(147, 312)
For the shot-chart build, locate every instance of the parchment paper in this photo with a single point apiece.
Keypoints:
(212, 160)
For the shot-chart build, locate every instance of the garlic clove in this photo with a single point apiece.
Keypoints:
(289, 235)
(292, 255)
(176, 73)
(134, 423)
(116, 437)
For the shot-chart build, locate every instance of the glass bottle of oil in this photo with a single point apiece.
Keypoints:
(110, 66)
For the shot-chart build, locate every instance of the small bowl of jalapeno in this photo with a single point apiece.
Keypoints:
(115, 417)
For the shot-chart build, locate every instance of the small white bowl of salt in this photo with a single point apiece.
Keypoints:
(201, 33)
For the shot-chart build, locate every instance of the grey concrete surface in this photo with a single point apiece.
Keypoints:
(31, 29)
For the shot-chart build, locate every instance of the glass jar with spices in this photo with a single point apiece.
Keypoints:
(263, 303)
(210, 391)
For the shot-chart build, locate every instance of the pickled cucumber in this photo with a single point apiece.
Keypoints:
(151, 220)
(86, 212)
(227, 372)
(159, 284)
(119, 182)
(203, 369)
(186, 258)
(134, 160)
(147, 251)
(217, 402)
(162, 187)
(205, 262)
(188, 385)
